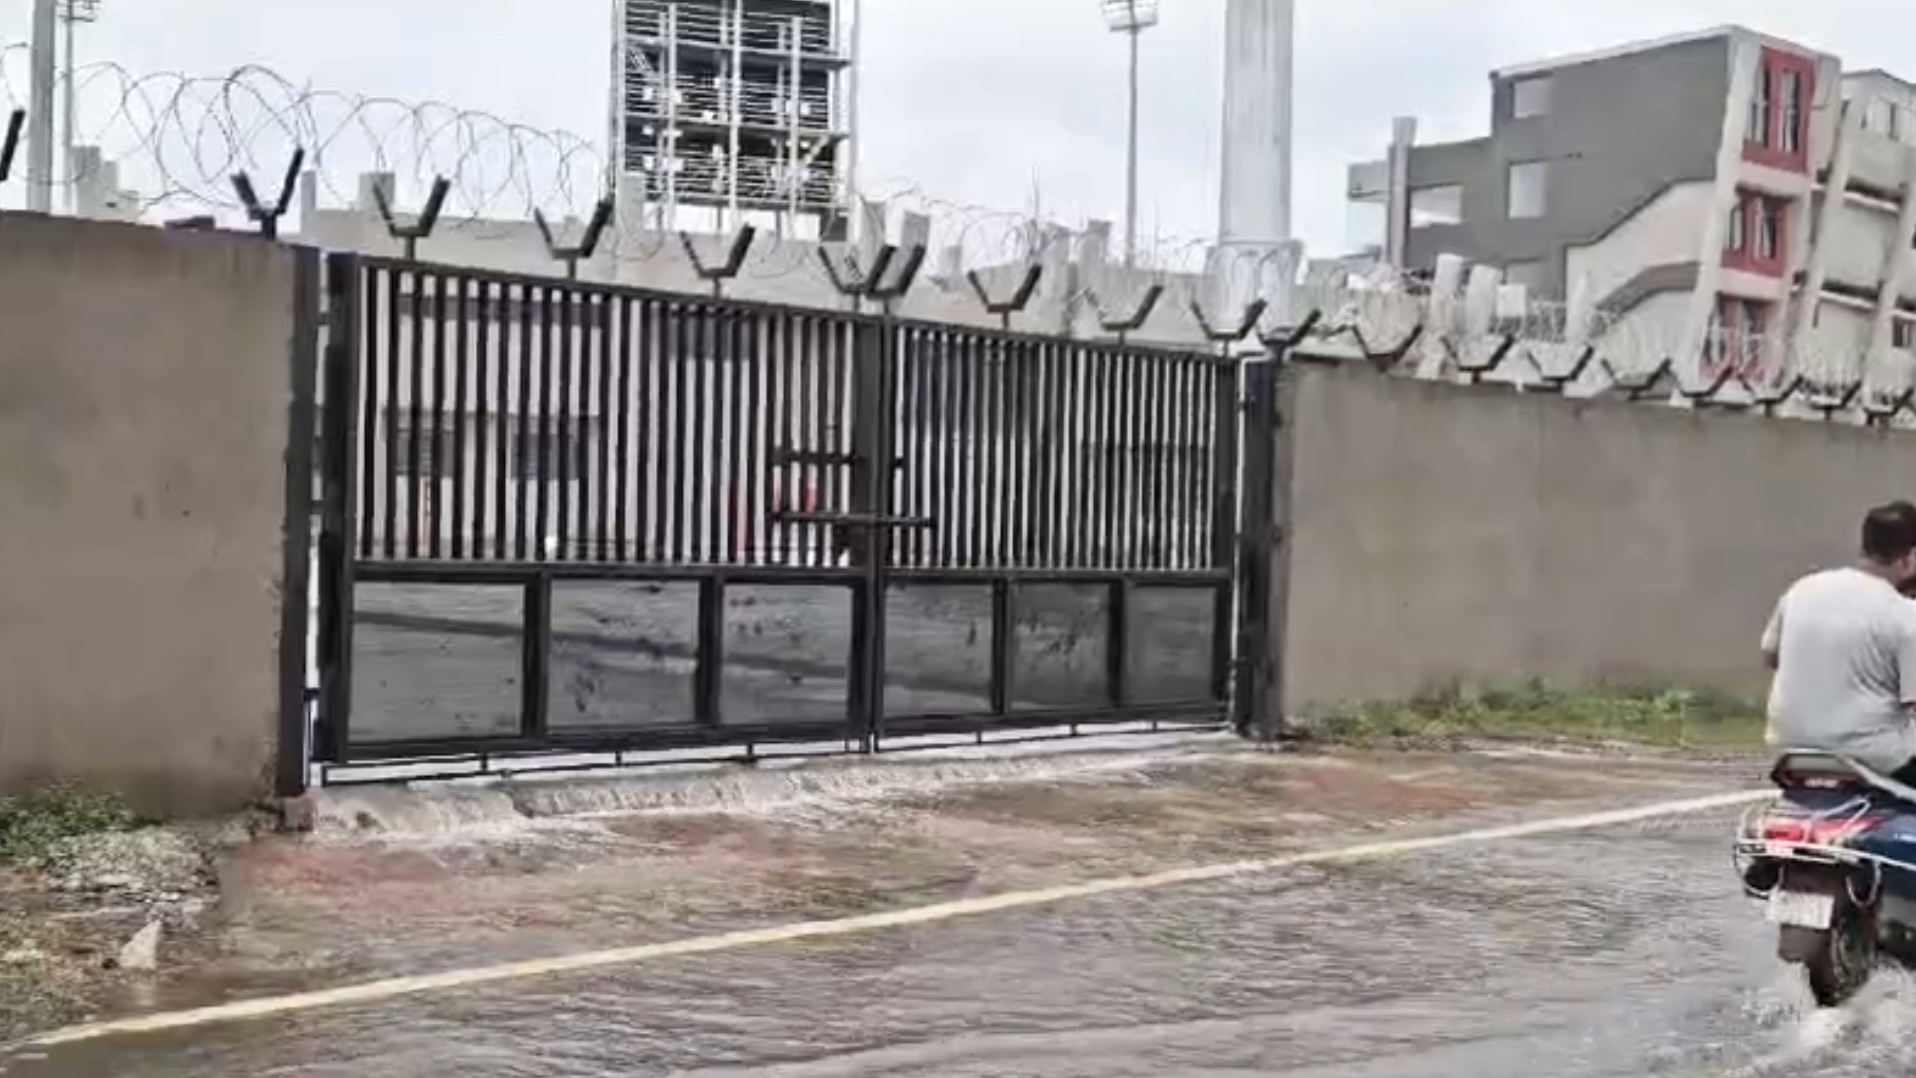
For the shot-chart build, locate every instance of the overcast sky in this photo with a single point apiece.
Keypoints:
(978, 101)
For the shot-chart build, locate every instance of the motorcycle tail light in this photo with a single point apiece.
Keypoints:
(1818, 831)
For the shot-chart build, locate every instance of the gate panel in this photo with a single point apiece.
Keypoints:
(1080, 501)
(576, 517)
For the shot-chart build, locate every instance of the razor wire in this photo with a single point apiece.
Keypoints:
(1829, 370)
(177, 139)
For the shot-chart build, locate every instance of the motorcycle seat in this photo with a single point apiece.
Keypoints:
(1816, 764)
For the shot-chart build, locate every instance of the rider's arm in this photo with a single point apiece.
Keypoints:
(1906, 661)
(1772, 643)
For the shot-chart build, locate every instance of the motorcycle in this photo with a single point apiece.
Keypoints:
(1833, 859)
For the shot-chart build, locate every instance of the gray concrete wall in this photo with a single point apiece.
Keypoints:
(146, 389)
(1619, 131)
(1444, 532)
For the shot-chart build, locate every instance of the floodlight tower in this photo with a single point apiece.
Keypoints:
(1131, 18)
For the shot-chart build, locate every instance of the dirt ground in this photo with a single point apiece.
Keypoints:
(420, 886)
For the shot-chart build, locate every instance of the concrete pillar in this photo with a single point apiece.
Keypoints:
(1579, 312)
(913, 232)
(1060, 282)
(95, 187)
(372, 227)
(1054, 254)
(1816, 269)
(1745, 52)
(1480, 300)
(1895, 259)
(1513, 302)
(1446, 281)
(628, 216)
(99, 196)
(1403, 135)
(308, 198)
(951, 263)
(1440, 320)
(1093, 256)
(1255, 255)
(872, 230)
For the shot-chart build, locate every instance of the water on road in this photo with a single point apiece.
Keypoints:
(1620, 952)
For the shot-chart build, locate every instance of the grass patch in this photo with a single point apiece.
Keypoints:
(33, 824)
(1658, 717)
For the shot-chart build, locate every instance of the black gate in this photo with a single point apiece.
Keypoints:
(577, 518)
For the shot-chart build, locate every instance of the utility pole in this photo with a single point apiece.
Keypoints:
(40, 106)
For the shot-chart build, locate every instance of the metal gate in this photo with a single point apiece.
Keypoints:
(562, 517)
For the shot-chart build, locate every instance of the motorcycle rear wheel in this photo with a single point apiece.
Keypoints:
(1836, 962)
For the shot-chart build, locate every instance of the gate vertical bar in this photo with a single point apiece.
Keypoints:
(294, 770)
(868, 538)
(339, 494)
(1254, 547)
(535, 657)
(1224, 415)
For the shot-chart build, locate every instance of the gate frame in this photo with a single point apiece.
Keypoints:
(293, 750)
(869, 535)
(1263, 536)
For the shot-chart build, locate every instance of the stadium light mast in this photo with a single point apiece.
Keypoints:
(1131, 18)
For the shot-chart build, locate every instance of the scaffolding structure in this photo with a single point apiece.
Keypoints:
(743, 108)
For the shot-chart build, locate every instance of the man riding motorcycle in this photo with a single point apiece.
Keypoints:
(1842, 643)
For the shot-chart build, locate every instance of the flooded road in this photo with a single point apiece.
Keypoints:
(1625, 951)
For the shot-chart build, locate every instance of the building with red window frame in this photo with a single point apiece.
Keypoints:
(1684, 187)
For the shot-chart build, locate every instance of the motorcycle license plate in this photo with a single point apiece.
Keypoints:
(1801, 909)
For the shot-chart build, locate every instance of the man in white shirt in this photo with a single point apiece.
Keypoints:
(1843, 645)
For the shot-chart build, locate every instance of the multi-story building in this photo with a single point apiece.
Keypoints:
(1736, 197)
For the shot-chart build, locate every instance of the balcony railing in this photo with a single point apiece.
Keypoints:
(708, 101)
(1728, 351)
(761, 181)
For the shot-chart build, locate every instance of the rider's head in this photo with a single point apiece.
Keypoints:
(1889, 541)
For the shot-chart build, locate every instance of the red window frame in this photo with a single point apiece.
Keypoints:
(1749, 256)
(1736, 341)
(1766, 146)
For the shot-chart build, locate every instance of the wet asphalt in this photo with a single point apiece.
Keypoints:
(1621, 952)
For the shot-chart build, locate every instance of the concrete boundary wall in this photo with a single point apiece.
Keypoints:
(155, 470)
(1443, 532)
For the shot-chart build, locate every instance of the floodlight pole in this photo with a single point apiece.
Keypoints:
(1131, 18)
(1131, 160)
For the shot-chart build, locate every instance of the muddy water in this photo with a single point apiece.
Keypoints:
(1616, 953)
